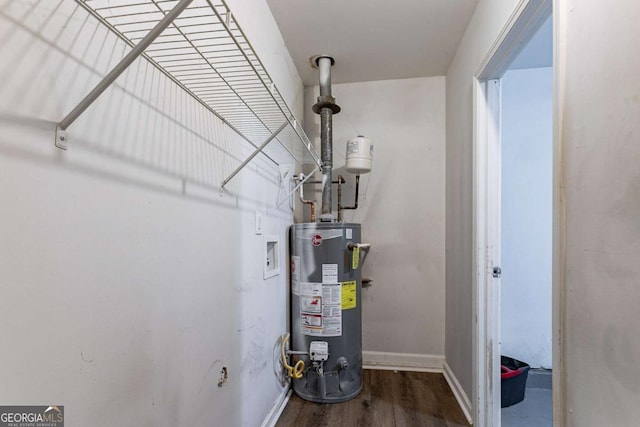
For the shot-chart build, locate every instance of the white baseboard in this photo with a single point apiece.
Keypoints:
(281, 402)
(402, 361)
(458, 392)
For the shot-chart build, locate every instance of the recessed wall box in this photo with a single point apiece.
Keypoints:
(271, 256)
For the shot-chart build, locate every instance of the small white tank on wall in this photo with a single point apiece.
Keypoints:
(359, 155)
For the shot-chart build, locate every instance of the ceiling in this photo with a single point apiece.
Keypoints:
(373, 39)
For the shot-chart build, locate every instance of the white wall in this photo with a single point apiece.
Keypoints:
(127, 281)
(599, 103)
(488, 20)
(401, 208)
(597, 154)
(527, 147)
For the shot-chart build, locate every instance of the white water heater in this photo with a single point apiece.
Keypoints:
(359, 155)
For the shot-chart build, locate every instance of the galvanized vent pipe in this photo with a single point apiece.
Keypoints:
(326, 107)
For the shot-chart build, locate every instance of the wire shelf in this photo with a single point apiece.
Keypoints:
(205, 52)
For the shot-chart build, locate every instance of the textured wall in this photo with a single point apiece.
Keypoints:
(600, 104)
(128, 282)
(401, 206)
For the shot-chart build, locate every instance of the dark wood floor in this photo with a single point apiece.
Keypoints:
(388, 399)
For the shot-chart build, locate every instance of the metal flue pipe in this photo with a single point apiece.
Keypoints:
(326, 137)
(326, 107)
(324, 65)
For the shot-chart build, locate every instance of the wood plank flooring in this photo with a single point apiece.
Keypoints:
(388, 399)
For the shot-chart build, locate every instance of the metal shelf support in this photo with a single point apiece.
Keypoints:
(117, 71)
(255, 153)
(199, 45)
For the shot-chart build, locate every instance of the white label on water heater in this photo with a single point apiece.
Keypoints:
(348, 234)
(331, 294)
(311, 324)
(307, 289)
(295, 287)
(331, 310)
(330, 273)
(311, 305)
(320, 310)
(295, 268)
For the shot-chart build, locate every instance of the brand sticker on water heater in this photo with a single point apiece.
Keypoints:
(316, 240)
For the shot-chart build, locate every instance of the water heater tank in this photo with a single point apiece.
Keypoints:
(359, 155)
(326, 311)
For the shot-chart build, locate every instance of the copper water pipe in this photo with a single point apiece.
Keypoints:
(340, 182)
(355, 205)
(311, 203)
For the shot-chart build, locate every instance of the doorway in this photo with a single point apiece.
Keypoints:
(526, 135)
(506, 190)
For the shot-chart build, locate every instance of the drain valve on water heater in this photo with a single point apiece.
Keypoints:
(319, 351)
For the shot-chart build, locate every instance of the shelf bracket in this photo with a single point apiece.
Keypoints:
(255, 153)
(61, 138)
(118, 70)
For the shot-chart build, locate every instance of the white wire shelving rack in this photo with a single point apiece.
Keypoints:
(199, 45)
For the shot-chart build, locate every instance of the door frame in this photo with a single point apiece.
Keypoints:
(486, 254)
(527, 18)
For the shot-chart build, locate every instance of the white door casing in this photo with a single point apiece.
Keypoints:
(528, 16)
(486, 154)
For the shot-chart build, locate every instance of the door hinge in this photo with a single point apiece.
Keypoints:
(497, 272)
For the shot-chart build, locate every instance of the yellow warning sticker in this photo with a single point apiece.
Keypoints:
(349, 295)
(356, 258)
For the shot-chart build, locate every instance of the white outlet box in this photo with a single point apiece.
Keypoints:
(271, 256)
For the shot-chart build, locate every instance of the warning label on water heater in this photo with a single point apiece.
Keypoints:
(320, 309)
(311, 304)
(349, 295)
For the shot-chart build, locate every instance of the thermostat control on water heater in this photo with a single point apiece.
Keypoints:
(319, 351)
